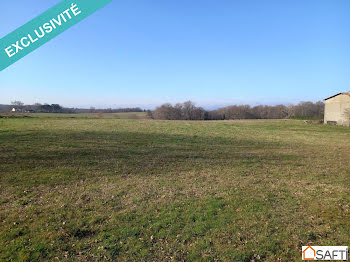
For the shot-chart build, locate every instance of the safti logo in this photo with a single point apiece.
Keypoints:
(325, 253)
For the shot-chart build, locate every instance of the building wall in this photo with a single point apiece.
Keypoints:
(335, 109)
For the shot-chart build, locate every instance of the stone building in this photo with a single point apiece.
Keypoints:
(337, 109)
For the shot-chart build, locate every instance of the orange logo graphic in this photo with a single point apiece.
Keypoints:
(309, 253)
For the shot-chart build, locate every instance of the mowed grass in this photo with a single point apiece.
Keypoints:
(98, 189)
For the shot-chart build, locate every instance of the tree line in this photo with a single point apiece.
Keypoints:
(19, 106)
(189, 111)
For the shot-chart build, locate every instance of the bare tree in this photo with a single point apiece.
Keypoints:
(17, 104)
(185, 111)
(188, 111)
(163, 112)
(149, 114)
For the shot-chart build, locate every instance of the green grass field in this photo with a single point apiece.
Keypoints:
(108, 189)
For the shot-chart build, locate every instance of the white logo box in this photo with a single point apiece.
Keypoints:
(325, 253)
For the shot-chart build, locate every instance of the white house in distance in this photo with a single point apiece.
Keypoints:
(337, 109)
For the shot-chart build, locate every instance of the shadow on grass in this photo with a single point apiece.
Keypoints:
(34, 158)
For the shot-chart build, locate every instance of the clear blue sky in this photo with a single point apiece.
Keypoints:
(146, 52)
